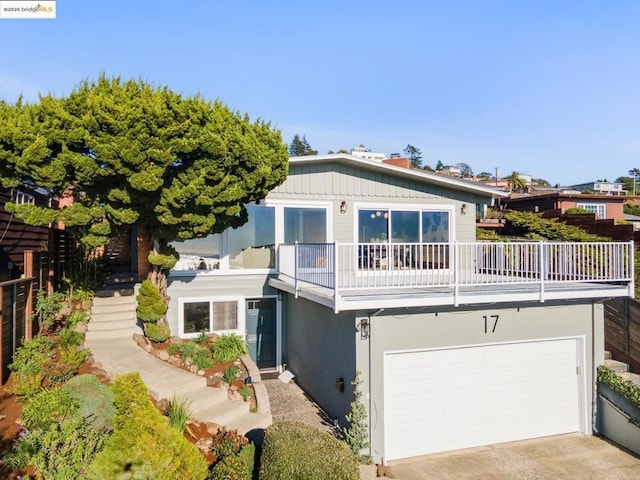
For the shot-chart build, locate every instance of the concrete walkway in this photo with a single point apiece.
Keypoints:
(118, 354)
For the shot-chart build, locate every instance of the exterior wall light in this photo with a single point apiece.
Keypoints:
(463, 209)
(343, 207)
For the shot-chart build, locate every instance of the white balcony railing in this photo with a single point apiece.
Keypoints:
(347, 266)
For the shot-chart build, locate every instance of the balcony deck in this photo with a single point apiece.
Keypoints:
(356, 276)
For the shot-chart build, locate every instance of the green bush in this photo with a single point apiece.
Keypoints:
(202, 338)
(534, 226)
(178, 412)
(227, 348)
(626, 388)
(227, 442)
(28, 366)
(69, 338)
(47, 309)
(94, 400)
(230, 375)
(296, 451)
(200, 356)
(578, 211)
(69, 361)
(157, 332)
(48, 407)
(235, 467)
(142, 445)
(151, 306)
(77, 317)
(61, 452)
(245, 392)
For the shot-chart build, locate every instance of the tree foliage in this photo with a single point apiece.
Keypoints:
(131, 153)
(516, 182)
(465, 170)
(414, 154)
(357, 434)
(300, 147)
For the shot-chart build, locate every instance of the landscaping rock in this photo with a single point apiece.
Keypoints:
(81, 327)
(140, 339)
(163, 403)
(149, 348)
(188, 362)
(163, 355)
(193, 368)
(201, 373)
(212, 428)
(173, 360)
(204, 444)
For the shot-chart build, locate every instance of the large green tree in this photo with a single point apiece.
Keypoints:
(300, 147)
(131, 153)
(414, 154)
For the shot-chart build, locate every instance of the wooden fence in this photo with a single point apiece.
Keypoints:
(622, 330)
(16, 306)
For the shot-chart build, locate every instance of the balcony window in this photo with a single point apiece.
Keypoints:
(253, 244)
(308, 225)
(403, 226)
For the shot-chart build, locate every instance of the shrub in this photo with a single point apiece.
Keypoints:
(235, 467)
(151, 306)
(227, 348)
(179, 412)
(28, 366)
(69, 362)
(47, 308)
(626, 388)
(296, 451)
(201, 356)
(77, 317)
(94, 400)
(142, 444)
(578, 211)
(69, 338)
(61, 452)
(356, 435)
(245, 392)
(202, 338)
(230, 375)
(47, 408)
(157, 332)
(227, 442)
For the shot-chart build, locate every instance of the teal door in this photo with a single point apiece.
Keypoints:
(261, 331)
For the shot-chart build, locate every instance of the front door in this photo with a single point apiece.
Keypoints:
(261, 331)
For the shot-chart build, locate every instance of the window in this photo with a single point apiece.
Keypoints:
(210, 316)
(198, 254)
(600, 209)
(307, 225)
(253, 244)
(403, 226)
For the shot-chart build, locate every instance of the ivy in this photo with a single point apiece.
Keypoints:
(626, 388)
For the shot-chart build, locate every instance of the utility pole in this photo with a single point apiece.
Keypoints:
(496, 169)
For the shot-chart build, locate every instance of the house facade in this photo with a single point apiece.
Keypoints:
(603, 206)
(357, 265)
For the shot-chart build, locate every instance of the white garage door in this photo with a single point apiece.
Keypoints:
(441, 400)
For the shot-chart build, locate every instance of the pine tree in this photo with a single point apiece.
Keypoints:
(130, 153)
(414, 154)
(300, 147)
(357, 433)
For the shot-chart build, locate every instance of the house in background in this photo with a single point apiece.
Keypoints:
(603, 206)
(359, 265)
(602, 187)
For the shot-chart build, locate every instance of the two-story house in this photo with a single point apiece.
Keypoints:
(357, 265)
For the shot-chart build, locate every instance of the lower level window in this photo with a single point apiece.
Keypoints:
(210, 316)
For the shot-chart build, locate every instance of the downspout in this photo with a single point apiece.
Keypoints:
(374, 314)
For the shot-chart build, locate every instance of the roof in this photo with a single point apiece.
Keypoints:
(418, 175)
(568, 196)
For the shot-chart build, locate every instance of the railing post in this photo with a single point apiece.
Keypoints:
(295, 268)
(543, 262)
(335, 277)
(456, 273)
(631, 269)
(28, 310)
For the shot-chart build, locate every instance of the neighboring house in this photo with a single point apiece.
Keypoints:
(362, 152)
(452, 170)
(357, 265)
(602, 187)
(604, 206)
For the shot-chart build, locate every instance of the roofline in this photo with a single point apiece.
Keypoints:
(406, 172)
(569, 196)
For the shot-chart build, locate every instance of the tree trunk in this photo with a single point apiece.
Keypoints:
(158, 276)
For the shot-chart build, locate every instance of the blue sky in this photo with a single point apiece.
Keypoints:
(549, 88)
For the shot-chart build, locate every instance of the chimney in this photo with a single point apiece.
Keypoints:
(398, 162)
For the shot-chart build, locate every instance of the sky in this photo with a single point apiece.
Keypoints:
(548, 88)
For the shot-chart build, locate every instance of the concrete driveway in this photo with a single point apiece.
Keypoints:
(572, 456)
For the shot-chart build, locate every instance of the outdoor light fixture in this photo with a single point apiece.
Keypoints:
(363, 328)
(463, 209)
(343, 207)
(340, 384)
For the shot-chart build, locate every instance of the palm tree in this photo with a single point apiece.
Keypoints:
(516, 183)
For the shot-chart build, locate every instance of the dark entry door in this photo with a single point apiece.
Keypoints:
(261, 331)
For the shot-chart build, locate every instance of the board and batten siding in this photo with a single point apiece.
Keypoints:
(336, 182)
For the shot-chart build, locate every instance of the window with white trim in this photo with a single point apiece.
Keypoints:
(209, 316)
(600, 209)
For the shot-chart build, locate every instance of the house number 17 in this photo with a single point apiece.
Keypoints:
(487, 323)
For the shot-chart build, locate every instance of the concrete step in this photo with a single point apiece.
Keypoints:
(617, 366)
(113, 300)
(206, 397)
(607, 355)
(110, 291)
(127, 323)
(94, 336)
(632, 377)
(113, 307)
(116, 278)
(249, 421)
(223, 412)
(113, 316)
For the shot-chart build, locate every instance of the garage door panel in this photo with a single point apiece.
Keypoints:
(464, 397)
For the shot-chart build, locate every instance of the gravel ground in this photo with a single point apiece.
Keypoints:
(290, 403)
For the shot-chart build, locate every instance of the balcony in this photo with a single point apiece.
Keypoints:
(348, 276)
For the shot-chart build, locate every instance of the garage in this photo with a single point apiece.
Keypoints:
(448, 399)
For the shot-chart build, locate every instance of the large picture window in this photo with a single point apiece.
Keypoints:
(198, 253)
(209, 316)
(403, 226)
(253, 244)
(308, 225)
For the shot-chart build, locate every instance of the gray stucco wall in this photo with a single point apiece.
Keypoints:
(320, 349)
(404, 329)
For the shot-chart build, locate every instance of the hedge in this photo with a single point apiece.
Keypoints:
(296, 451)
